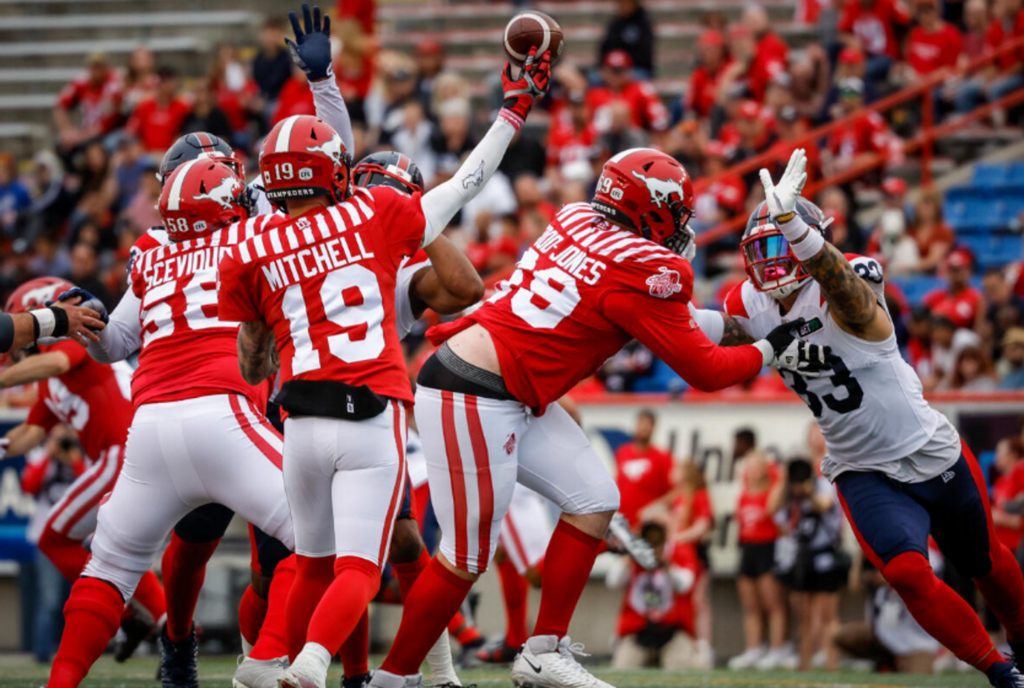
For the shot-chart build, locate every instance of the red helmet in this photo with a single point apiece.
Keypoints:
(200, 197)
(649, 192)
(304, 157)
(35, 293)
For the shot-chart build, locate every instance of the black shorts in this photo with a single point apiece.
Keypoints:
(818, 572)
(757, 559)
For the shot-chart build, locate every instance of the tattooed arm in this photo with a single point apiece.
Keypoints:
(721, 328)
(257, 352)
(734, 334)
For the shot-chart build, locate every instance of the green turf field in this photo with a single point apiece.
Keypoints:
(215, 672)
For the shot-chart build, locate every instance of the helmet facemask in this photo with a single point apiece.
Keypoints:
(770, 263)
(681, 241)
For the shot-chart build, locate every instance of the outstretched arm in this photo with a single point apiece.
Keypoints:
(36, 368)
(721, 328)
(449, 285)
(123, 335)
(257, 353)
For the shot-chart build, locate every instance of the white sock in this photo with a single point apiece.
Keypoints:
(313, 662)
(246, 647)
(385, 679)
(439, 659)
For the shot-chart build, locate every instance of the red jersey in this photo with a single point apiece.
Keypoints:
(701, 508)
(91, 398)
(701, 95)
(652, 598)
(188, 349)
(642, 477)
(1008, 488)
(566, 145)
(865, 134)
(961, 308)
(755, 521)
(999, 35)
(875, 26)
(648, 110)
(325, 283)
(101, 103)
(158, 126)
(580, 293)
(928, 52)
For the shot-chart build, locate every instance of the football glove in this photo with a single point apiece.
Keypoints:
(523, 93)
(311, 49)
(88, 301)
(797, 356)
(782, 197)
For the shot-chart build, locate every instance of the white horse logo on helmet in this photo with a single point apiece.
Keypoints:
(223, 193)
(660, 189)
(332, 148)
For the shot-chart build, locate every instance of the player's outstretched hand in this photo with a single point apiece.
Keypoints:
(86, 314)
(311, 49)
(523, 93)
(782, 197)
(795, 355)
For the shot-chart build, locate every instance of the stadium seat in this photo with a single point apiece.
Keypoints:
(915, 288)
(994, 250)
(1015, 175)
(990, 175)
(661, 380)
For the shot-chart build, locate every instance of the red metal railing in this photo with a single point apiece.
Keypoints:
(923, 142)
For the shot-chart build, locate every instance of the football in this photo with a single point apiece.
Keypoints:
(531, 29)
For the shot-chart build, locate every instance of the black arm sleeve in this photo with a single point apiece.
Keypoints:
(6, 332)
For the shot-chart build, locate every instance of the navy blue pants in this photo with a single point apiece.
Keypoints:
(890, 517)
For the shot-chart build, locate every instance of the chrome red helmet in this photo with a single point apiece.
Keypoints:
(197, 145)
(767, 255)
(200, 197)
(303, 157)
(649, 192)
(35, 293)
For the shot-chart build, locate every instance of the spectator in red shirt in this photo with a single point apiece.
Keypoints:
(295, 98)
(1008, 493)
(933, 44)
(657, 605)
(976, 23)
(871, 25)
(959, 301)
(619, 86)
(97, 94)
(694, 523)
(157, 120)
(754, 62)
(1007, 74)
(934, 238)
(759, 590)
(862, 138)
(572, 138)
(769, 50)
(707, 75)
(643, 471)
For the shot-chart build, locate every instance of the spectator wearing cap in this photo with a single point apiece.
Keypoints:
(871, 26)
(96, 95)
(572, 138)
(630, 31)
(429, 65)
(157, 120)
(14, 197)
(865, 136)
(1007, 74)
(959, 300)
(1013, 359)
(646, 109)
(706, 77)
(272, 65)
(933, 236)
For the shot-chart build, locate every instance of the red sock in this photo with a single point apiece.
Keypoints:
(313, 575)
(436, 597)
(463, 631)
(567, 564)
(356, 581)
(184, 569)
(66, 554)
(150, 594)
(1003, 589)
(408, 572)
(940, 611)
(514, 592)
(355, 651)
(91, 617)
(273, 639)
(252, 610)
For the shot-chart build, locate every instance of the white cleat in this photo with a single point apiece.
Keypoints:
(636, 547)
(748, 658)
(385, 679)
(259, 673)
(547, 663)
(290, 679)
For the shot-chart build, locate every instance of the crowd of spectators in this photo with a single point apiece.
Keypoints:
(75, 209)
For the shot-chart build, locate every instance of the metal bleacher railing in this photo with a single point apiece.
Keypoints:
(922, 144)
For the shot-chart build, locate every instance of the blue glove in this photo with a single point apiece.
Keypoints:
(88, 301)
(311, 50)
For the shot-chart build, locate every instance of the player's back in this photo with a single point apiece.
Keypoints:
(560, 315)
(325, 283)
(187, 349)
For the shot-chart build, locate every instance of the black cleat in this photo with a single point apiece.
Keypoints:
(360, 681)
(1017, 656)
(178, 661)
(502, 654)
(135, 628)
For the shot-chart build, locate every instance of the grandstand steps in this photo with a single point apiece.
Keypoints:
(188, 53)
(211, 26)
(28, 80)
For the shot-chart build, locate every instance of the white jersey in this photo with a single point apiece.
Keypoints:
(871, 409)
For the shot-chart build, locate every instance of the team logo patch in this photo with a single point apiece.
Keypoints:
(223, 193)
(809, 328)
(665, 284)
(510, 444)
(332, 148)
(947, 476)
(474, 178)
(305, 174)
(660, 189)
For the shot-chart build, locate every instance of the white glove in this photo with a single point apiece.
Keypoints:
(5, 444)
(804, 359)
(782, 197)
